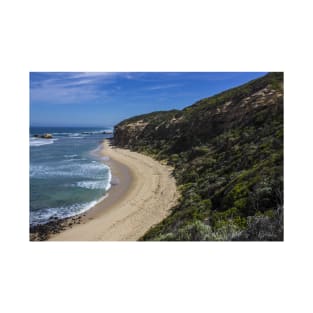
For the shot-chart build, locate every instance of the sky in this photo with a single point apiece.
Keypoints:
(106, 98)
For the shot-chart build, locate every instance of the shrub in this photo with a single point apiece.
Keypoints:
(264, 227)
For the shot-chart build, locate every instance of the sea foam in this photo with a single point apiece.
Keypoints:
(36, 142)
(87, 170)
(65, 179)
(43, 216)
(92, 184)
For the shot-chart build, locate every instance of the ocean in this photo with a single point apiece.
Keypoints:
(67, 175)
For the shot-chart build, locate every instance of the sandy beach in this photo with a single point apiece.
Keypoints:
(142, 193)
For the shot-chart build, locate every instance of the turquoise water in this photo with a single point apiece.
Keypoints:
(67, 176)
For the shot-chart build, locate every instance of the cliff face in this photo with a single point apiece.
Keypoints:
(227, 153)
(134, 132)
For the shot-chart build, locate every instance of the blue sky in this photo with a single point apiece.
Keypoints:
(104, 99)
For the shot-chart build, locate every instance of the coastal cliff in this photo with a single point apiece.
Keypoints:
(227, 154)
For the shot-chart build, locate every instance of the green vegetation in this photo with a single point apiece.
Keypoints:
(227, 154)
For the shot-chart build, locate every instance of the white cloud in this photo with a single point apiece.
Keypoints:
(158, 87)
(71, 87)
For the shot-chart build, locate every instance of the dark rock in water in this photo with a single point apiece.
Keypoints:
(44, 136)
(54, 225)
(107, 132)
(42, 232)
(47, 136)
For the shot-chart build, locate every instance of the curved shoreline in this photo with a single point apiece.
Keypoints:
(141, 195)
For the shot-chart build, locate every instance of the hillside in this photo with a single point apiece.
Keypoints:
(227, 155)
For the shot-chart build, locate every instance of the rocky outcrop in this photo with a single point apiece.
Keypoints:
(47, 136)
(54, 226)
(44, 136)
(127, 134)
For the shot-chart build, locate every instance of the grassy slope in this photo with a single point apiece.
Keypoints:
(227, 153)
